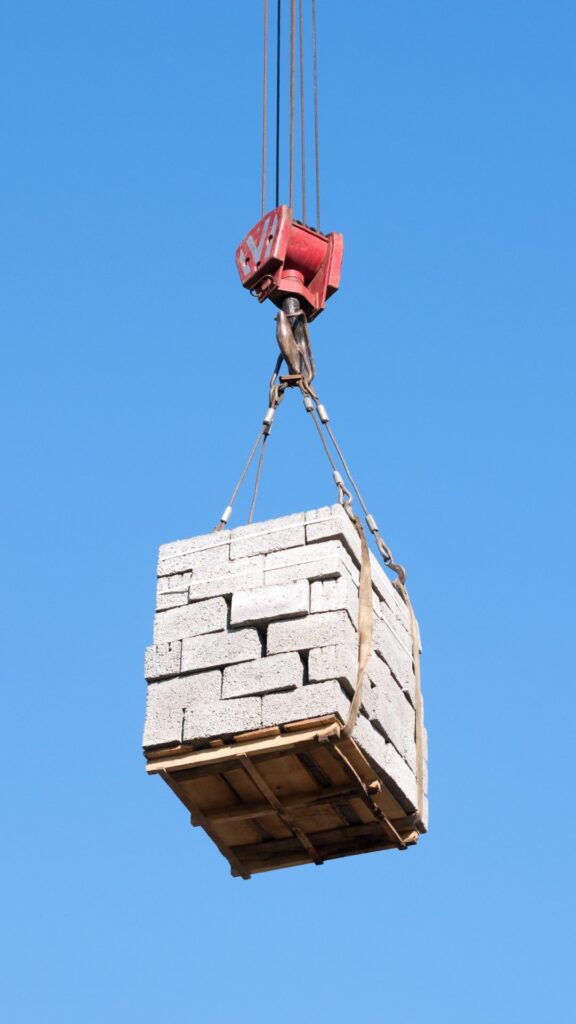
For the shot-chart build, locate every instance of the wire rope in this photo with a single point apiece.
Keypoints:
(264, 106)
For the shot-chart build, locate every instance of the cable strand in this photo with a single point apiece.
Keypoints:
(264, 106)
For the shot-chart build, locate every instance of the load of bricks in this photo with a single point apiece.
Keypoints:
(257, 627)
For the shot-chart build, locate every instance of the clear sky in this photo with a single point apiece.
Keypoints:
(134, 376)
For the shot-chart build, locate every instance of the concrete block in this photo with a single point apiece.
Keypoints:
(312, 569)
(334, 595)
(340, 661)
(166, 703)
(172, 591)
(395, 716)
(264, 604)
(333, 523)
(383, 586)
(272, 535)
(335, 661)
(226, 578)
(399, 661)
(397, 626)
(308, 701)
(387, 760)
(162, 661)
(320, 630)
(221, 718)
(171, 600)
(218, 649)
(276, 672)
(183, 555)
(192, 620)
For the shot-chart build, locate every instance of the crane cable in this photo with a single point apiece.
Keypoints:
(296, 28)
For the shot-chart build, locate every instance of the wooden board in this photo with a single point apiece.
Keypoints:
(280, 797)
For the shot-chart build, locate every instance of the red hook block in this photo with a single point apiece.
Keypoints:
(280, 257)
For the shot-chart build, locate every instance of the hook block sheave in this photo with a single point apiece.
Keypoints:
(281, 257)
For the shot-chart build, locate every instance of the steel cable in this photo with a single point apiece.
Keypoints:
(302, 105)
(316, 127)
(264, 106)
(278, 28)
(292, 85)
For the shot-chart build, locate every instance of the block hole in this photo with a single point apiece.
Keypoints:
(304, 660)
(261, 630)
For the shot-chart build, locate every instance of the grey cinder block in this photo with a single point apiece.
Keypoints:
(162, 661)
(220, 718)
(273, 535)
(335, 661)
(333, 523)
(310, 701)
(183, 555)
(313, 631)
(335, 595)
(276, 672)
(218, 649)
(399, 661)
(226, 578)
(167, 701)
(264, 604)
(191, 620)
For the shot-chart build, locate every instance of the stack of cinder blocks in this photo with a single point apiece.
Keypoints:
(257, 626)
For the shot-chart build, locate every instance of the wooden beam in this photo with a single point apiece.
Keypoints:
(354, 838)
(283, 744)
(240, 812)
(261, 784)
(364, 793)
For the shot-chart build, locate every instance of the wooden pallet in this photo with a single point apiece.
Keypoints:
(279, 797)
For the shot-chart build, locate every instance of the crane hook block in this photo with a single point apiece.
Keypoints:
(280, 257)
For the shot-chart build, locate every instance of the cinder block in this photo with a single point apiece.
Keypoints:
(273, 535)
(387, 760)
(395, 716)
(192, 620)
(264, 604)
(335, 661)
(276, 672)
(383, 586)
(227, 578)
(333, 523)
(171, 600)
(340, 661)
(397, 626)
(167, 701)
(218, 649)
(399, 661)
(163, 661)
(172, 591)
(177, 583)
(183, 555)
(320, 630)
(308, 702)
(223, 717)
(335, 595)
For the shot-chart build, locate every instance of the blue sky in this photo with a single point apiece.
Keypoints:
(135, 373)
